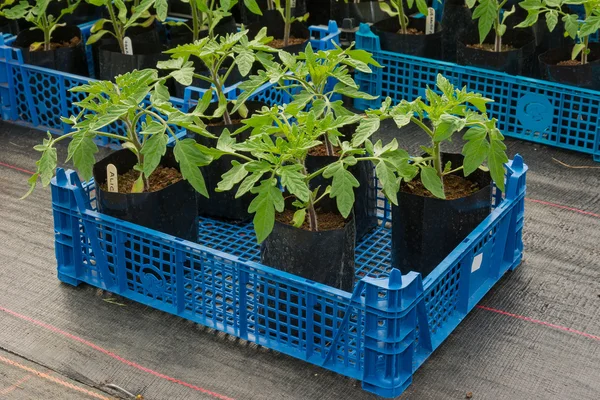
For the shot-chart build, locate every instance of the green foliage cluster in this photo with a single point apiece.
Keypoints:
(395, 8)
(123, 17)
(285, 10)
(37, 15)
(578, 29)
(490, 14)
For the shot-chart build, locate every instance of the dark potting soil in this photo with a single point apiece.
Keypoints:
(327, 221)
(278, 43)
(321, 150)
(490, 47)
(455, 187)
(569, 63)
(411, 31)
(54, 45)
(160, 179)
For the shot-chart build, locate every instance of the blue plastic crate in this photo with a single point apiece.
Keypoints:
(380, 334)
(526, 108)
(37, 97)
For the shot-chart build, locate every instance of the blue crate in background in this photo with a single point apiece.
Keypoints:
(380, 334)
(37, 97)
(526, 108)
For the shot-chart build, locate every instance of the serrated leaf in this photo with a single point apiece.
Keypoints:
(367, 127)
(447, 126)
(351, 92)
(232, 177)
(294, 181)
(486, 13)
(390, 184)
(432, 181)
(342, 187)
(153, 150)
(268, 200)
(248, 183)
(244, 61)
(475, 150)
(82, 150)
(496, 159)
(189, 157)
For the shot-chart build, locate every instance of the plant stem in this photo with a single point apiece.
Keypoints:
(584, 52)
(220, 94)
(310, 208)
(209, 17)
(403, 18)
(115, 23)
(498, 38)
(437, 161)
(422, 126)
(288, 24)
(196, 21)
(46, 30)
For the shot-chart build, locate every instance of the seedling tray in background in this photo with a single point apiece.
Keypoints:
(526, 108)
(380, 334)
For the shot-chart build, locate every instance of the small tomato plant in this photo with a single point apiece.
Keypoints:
(490, 14)
(206, 14)
(315, 80)
(274, 156)
(578, 29)
(37, 15)
(214, 53)
(449, 113)
(395, 8)
(148, 127)
(122, 19)
(286, 13)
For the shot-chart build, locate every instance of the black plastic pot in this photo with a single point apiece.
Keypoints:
(147, 48)
(171, 210)
(365, 205)
(425, 230)
(9, 26)
(585, 76)
(276, 27)
(515, 62)
(65, 59)
(429, 46)
(223, 205)
(456, 20)
(181, 35)
(325, 257)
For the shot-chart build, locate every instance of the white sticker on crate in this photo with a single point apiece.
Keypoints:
(476, 262)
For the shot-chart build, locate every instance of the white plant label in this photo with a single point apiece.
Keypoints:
(430, 21)
(112, 178)
(127, 46)
(293, 4)
(476, 262)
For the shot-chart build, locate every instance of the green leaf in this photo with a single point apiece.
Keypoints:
(486, 12)
(253, 7)
(432, 181)
(385, 7)
(445, 86)
(82, 149)
(551, 20)
(153, 150)
(351, 92)
(390, 184)
(138, 185)
(571, 25)
(447, 126)
(294, 181)
(46, 165)
(232, 177)
(576, 50)
(590, 25)
(268, 200)
(189, 157)
(299, 217)
(497, 158)
(244, 61)
(367, 127)
(96, 36)
(342, 187)
(161, 7)
(475, 150)
(248, 183)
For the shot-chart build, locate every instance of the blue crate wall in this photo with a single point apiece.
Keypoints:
(379, 334)
(529, 109)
